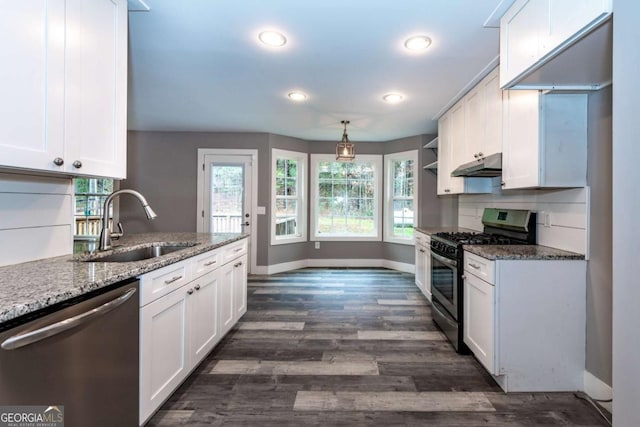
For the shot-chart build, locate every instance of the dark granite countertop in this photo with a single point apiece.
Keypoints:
(521, 252)
(31, 286)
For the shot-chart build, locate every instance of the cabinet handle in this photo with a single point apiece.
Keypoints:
(197, 287)
(77, 164)
(237, 250)
(190, 291)
(446, 190)
(58, 161)
(207, 264)
(422, 250)
(476, 266)
(173, 279)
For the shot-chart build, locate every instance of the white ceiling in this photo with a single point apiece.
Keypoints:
(196, 65)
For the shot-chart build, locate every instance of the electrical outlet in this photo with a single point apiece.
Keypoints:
(317, 246)
(546, 219)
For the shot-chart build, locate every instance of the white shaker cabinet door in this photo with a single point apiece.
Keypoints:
(203, 312)
(96, 87)
(478, 322)
(32, 37)
(164, 361)
(239, 287)
(226, 306)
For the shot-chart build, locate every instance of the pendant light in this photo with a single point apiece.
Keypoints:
(345, 150)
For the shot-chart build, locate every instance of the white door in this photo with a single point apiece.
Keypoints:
(227, 192)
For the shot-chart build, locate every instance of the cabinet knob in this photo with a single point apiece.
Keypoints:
(190, 291)
(480, 154)
(197, 287)
(446, 190)
(58, 161)
(475, 155)
(503, 183)
(464, 277)
(77, 164)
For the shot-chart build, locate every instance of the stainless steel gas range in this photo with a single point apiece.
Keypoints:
(501, 227)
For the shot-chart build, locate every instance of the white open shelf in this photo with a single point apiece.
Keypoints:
(433, 144)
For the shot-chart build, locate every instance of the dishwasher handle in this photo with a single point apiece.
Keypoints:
(25, 339)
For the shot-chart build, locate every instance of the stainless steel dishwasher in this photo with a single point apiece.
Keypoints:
(84, 356)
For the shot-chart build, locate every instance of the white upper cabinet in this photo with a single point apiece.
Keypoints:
(545, 140)
(534, 32)
(483, 114)
(471, 129)
(32, 83)
(66, 86)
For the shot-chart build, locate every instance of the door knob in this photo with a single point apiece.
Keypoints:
(246, 223)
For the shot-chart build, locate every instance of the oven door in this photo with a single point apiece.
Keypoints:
(444, 282)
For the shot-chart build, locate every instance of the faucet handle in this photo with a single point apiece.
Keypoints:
(119, 234)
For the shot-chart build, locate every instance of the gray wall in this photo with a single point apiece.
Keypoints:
(163, 167)
(599, 272)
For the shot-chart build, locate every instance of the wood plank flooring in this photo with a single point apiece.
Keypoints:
(350, 347)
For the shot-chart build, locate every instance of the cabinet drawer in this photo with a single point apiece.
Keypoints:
(234, 250)
(480, 267)
(160, 282)
(204, 263)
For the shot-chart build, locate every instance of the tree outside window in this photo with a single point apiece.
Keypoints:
(90, 195)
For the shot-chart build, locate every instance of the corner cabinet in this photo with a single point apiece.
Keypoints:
(64, 82)
(545, 140)
(186, 309)
(524, 320)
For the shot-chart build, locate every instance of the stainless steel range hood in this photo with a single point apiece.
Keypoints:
(489, 166)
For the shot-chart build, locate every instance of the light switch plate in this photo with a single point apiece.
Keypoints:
(261, 210)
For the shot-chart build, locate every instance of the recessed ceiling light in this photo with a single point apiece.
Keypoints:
(272, 38)
(392, 98)
(297, 96)
(417, 43)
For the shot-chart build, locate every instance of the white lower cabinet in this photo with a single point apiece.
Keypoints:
(423, 263)
(478, 314)
(525, 321)
(180, 327)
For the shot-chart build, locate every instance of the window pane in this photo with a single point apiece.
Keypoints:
(90, 195)
(345, 206)
(403, 218)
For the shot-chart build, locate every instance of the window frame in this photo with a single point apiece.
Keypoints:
(377, 161)
(388, 195)
(301, 196)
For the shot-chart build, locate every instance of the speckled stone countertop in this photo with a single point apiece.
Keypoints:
(434, 230)
(521, 252)
(31, 286)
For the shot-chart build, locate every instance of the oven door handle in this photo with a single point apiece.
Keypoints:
(446, 261)
(441, 311)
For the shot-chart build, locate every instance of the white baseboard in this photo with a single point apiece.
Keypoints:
(598, 389)
(359, 262)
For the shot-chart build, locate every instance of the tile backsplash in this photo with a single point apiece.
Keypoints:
(562, 220)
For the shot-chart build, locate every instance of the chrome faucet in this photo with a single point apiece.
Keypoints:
(105, 235)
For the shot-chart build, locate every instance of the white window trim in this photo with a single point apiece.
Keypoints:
(376, 160)
(302, 196)
(388, 195)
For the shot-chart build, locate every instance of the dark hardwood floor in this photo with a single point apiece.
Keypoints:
(350, 347)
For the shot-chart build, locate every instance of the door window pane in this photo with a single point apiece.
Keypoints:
(227, 198)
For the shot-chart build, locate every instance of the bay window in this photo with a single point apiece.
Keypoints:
(401, 196)
(346, 198)
(288, 217)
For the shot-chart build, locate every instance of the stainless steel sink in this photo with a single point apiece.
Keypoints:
(139, 254)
